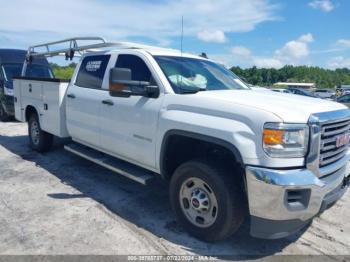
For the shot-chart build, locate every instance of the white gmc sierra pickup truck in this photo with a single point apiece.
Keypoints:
(227, 151)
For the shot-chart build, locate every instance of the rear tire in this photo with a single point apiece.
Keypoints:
(4, 117)
(208, 200)
(39, 140)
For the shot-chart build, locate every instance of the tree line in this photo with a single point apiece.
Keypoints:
(63, 72)
(324, 78)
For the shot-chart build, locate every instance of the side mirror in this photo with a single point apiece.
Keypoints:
(120, 80)
(152, 91)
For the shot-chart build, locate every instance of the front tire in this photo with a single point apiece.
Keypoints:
(208, 201)
(39, 140)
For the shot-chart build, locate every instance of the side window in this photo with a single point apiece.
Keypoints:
(140, 71)
(92, 71)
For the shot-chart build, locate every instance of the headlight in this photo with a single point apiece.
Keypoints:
(285, 140)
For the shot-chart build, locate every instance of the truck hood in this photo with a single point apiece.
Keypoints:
(289, 107)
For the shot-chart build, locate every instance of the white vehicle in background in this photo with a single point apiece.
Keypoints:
(281, 90)
(325, 93)
(227, 150)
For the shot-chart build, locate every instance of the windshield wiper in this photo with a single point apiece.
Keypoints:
(188, 91)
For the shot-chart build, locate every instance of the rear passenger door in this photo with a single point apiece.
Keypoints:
(84, 100)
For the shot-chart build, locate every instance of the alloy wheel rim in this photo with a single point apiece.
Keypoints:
(198, 202)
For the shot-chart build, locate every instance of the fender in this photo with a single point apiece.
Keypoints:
(210, 139)
(36, 110)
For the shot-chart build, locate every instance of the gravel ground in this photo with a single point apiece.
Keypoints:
(58, 203)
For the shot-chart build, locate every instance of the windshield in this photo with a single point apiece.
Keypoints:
(41, 71)
(187, 75)
(11, 70)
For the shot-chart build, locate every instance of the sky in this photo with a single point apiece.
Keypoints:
(262, 33)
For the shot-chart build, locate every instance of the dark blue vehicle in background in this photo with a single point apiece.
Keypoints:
(11, 64)
(302, 92)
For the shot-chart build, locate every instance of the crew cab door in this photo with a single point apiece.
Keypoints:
(83, 100)
(129, 124)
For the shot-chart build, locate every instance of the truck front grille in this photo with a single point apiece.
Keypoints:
(330, 152)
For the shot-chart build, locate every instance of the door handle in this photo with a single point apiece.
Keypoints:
(71, 96)
(30, 88)
(107, 102)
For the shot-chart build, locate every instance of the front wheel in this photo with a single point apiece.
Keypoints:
(39, 140)
(207, 200)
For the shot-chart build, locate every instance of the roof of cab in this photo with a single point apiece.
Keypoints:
(154, 51)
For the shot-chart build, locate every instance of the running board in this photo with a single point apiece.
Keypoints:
(119, 166)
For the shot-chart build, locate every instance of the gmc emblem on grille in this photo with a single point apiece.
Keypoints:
(342, 140)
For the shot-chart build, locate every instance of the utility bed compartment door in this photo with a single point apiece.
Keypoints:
(26, 92)
(17, 93)
(53, 118)
(48, 99)
(32, 89)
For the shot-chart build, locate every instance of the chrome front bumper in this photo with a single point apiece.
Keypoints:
(292, 195)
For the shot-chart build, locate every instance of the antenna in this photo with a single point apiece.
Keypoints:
(182, 31)
(182, 37)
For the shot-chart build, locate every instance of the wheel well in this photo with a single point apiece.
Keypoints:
(29, 111)
(180, 148)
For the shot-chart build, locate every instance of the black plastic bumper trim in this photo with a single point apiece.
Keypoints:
(274, 229)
